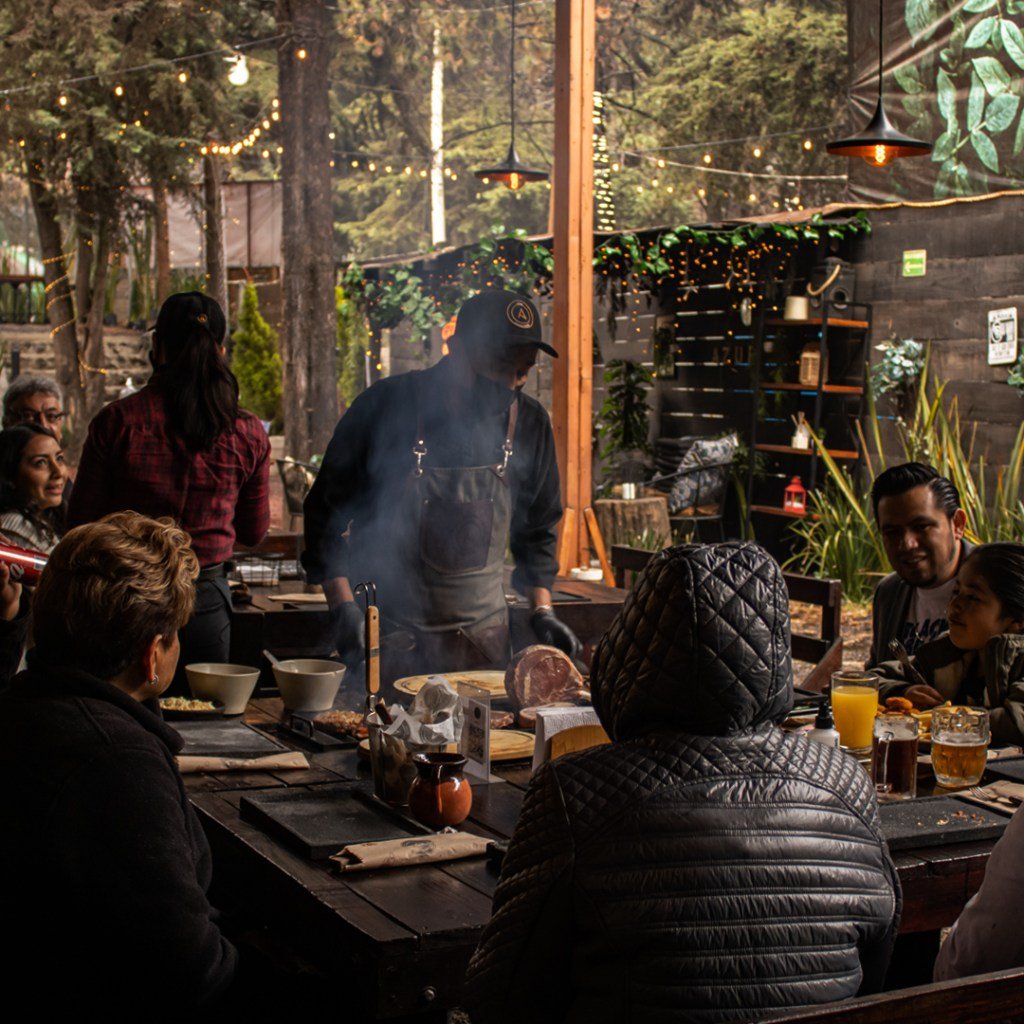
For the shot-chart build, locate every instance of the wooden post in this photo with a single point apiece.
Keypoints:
(573, 307)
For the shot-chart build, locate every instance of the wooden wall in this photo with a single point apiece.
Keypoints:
(975, 263)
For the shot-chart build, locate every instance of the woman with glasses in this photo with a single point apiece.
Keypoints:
(181, 447)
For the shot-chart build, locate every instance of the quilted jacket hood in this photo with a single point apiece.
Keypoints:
(701, 645)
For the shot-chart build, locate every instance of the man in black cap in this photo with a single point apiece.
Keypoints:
(430, 477)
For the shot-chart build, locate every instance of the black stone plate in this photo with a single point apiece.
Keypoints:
(937, 820)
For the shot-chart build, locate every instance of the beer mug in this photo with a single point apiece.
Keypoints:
(894, 757)
(960, 738)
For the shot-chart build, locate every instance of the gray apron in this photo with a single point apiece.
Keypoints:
(450, 612)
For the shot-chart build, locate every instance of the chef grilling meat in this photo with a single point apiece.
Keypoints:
(429, 478)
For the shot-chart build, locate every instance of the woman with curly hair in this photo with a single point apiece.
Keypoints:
(111, 869)
(32, 483)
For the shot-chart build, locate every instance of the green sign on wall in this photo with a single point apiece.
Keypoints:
(915, 262)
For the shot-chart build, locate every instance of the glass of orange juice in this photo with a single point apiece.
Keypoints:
(854, 705)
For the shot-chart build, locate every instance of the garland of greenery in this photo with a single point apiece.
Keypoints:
(748, 255)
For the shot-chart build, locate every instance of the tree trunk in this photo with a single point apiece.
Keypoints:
(59, 299)
(163, 241)
(213, 232)
(85, 221)
(93, 355)
(308, 342)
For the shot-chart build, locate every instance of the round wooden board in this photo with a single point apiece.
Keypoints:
(506, 745)
(492, 680)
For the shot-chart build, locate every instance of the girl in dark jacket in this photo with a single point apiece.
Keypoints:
(106, 866)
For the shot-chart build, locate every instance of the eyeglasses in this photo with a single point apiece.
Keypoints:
(37, 416)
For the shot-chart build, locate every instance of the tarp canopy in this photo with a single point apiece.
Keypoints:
(952, 73)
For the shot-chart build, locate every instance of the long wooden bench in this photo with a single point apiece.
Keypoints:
(981, 999)
(824, 651)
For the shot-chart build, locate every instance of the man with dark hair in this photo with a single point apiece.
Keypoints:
(922, 526)
(430, 477)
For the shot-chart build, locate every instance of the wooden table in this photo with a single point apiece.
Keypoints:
(291, 631)
(397, 942)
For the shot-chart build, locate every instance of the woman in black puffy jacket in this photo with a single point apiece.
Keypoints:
(705, 865)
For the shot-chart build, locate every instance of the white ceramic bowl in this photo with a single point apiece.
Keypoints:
(232, 684)
(308, 684)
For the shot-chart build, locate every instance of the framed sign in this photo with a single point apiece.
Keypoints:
(1002, 336)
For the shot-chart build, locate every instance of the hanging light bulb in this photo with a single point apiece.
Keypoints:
(118, 90)
(879, 142)
(183, 77)
(512, 172)
(239, 73)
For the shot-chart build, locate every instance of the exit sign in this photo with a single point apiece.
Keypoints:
(915, 262)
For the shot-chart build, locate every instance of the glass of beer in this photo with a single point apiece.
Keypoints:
(960, 738)
(854, 704)
(894, 757)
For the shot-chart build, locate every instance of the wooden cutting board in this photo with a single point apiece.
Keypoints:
(491, 680)
(506, 745)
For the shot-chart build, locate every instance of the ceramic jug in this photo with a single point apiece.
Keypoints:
(440, 795)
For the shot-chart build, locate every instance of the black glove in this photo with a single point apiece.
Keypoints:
(348, 628)
(554, 633)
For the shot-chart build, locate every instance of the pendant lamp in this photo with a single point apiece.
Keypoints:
(879, 143)
(512, 171)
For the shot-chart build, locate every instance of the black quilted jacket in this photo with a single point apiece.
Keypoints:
(704, 866)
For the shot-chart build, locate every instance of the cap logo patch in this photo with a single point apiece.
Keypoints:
(520, 314)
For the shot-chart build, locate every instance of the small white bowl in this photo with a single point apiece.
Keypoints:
(308, 684)
(232, 684)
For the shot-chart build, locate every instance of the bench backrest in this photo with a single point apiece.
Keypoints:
(982, 999)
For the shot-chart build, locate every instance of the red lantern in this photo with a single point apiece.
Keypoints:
(795, 497)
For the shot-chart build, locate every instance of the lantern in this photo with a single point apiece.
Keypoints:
(810, 364)
(794, 498)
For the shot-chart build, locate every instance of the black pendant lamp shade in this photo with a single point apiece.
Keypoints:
(512, 172)
(878, 142)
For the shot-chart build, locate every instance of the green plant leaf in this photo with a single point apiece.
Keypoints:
(921, 17)
(993, 74)
(1013, 41)
(909, 79)
(1000, 113)
(946, 91)
(945, 146)
(977, 6)
(975, 103)
(1018, 141)
(985, 149)
(982, 33)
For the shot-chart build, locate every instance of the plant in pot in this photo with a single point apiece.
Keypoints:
(623, 423)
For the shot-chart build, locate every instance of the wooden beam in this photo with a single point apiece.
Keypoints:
(574, 250)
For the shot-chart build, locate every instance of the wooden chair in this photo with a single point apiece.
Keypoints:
(982, 999)
(824, 651)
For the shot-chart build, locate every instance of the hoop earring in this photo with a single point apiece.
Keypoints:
(155, 681)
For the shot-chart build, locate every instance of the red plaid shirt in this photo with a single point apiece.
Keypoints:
(133, 460)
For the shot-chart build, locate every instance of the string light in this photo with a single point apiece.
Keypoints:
(301, 53)
(183, 77)
(62, 100)
(118, 90)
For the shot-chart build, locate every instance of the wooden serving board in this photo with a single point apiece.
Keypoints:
(491, 680)
(506, 745)
(936, 820)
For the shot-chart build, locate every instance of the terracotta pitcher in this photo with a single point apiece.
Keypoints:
(440, 795)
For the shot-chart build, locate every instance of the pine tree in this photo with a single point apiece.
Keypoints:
(255, 360)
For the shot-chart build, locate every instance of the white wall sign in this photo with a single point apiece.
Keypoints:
(1002, 336)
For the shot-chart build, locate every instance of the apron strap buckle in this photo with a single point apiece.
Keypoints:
(507, 450)
(419, 449)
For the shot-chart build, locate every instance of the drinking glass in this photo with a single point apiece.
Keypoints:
(960, 738)
(894, 757)
(854, 704)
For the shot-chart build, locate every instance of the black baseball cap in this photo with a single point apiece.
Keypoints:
(497, 317)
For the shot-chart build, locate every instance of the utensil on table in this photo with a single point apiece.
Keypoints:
(896, 647)
(372, 642)
(272, 658)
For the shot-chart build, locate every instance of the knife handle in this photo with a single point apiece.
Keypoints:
(372, 650)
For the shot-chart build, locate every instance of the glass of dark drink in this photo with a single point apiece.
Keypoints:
(894, 757)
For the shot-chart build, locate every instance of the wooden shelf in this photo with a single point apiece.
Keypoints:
(857, 325)
(771, 510)
(828, 389)
(785, 449)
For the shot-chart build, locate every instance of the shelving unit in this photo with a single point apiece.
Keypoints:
(833, 403)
